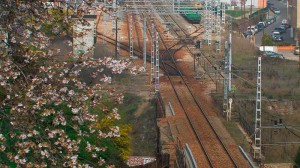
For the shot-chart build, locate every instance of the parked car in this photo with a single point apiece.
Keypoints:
(284, 21)
(287, 26)
(296, 51)
(282, 26)
(253, 29)
(276, 11)
(276, 33)
(281, 30)
(269, 3)
(273, 54)
(247, 34)
(268, 22)
(262, 23)
(277, 38)
(260, 26)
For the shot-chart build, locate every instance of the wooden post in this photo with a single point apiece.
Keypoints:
(251, 8)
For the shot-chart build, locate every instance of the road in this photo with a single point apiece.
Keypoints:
(281, 5)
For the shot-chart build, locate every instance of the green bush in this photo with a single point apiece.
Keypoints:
(266, 40)
(234, 13)
(297, 158)
(2, 93)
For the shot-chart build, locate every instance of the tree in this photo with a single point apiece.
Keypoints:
(266, 40)
(49, 116)
(297, 158)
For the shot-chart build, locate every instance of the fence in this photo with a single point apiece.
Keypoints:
(160, 106)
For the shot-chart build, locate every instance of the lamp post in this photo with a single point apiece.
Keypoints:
(287, 10)
(116, 45)
(264, 27)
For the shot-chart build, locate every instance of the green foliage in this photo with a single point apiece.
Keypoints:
(259, 13)
(123, 142)
(266, 40)
(2, 93)
(297, 158)
(234, 13)
(58, 15)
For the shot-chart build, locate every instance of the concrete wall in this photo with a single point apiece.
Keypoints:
(255, 3)
(298, 14)
(83, 36)
(294, 17)
(262, 3)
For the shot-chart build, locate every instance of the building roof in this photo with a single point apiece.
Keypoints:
(84, 17)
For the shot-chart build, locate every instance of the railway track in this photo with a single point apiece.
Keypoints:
(212, 150)
(212, 146)
(206, 58)
(122, 45)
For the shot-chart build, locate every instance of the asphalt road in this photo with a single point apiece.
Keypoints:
(281, 5)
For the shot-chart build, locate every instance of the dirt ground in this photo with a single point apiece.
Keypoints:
(176, 127)
(173, 130)
(143, 120)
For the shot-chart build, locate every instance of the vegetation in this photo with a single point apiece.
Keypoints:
(234, 13)
(49, 115)
(297, 158)
(279, 81)
(266, 40)
(2, 94)
(280, 99)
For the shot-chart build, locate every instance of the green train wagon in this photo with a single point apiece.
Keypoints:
(193, 18)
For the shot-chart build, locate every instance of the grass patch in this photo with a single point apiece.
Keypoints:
(2, 93)
(280, 93)
(237, 135)
(129, 106)
(235, 13)
(143, 126)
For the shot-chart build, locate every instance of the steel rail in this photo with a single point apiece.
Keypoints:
(167, 51)
(200, 107)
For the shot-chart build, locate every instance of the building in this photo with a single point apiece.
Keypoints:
(256, 4)
(3, 38)
(84, 34)
(293, 13)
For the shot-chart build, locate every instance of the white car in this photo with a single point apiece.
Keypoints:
(275, 33)
(276, 11)
(284, 21)
(253, 29)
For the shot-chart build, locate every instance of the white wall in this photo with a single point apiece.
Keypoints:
(248, 3)
(83, 36)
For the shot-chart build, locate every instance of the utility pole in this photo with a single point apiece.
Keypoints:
(145, 42)
(257, 137)
(152, 51)
(226, 76)
(208, 25)
(157, 64)
(251, 8)
(115, 8)
(130, 36)
(230, 54)
(103, 25)
(218, 25)
(223, 13)
(227, 73)
(116, 48)
(244, 10)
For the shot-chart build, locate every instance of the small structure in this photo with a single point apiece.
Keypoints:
(293, 17)
(139, 160)
(3, 38)
(84, 33)
(254, 3)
